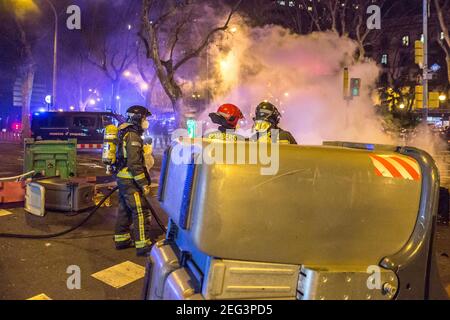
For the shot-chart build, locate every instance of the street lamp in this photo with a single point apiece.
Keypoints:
(48, 101)
(55, 51)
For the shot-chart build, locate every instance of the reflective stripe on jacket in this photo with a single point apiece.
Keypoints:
(133, 153)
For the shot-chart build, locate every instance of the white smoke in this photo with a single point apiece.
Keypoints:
(303, 76)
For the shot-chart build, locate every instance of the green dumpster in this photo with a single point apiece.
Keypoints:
(51, 157)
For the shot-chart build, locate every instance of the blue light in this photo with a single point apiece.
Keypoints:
(36, 113)
(41, 109)
(370, 147)
(435, 67)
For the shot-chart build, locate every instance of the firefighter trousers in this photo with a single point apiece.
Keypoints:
(133, 217)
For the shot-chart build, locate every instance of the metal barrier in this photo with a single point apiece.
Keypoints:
(10, 137)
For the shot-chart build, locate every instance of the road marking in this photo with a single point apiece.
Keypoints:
(121, 274)
(41, 296)
(4, 212)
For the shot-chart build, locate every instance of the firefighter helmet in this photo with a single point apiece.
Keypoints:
(266, 111)
(228, 115)
(137, 113)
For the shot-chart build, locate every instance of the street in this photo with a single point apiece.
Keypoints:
(257, 150)
(29, 268)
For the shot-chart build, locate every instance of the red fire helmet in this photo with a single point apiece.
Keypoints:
(231, 113)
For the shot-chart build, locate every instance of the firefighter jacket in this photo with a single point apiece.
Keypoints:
(131, 155)
(283, 136)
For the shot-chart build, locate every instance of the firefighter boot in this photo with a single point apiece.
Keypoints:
(123, 241)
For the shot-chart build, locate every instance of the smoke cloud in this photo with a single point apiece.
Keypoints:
(303, 76)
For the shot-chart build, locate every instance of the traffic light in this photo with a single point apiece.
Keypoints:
(418, 52)
(433, 99)
(346, 84)
(355, 87)
(419, 97)
(191, 125)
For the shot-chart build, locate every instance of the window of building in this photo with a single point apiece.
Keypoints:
(384, 59)
(422, 38)
(282, 3)
(405, 41)
(442, 36)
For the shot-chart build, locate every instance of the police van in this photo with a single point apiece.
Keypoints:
(86, 127)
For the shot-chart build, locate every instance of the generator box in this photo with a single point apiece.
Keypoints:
(63, 194)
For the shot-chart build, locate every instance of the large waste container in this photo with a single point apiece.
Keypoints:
(51, 157)
(328, 222)
(59, 195)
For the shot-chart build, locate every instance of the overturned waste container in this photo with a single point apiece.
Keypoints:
(339, 221)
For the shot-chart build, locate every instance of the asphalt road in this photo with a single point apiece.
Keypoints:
(33, 267)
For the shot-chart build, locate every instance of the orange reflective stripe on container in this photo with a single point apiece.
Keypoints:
(396, 167)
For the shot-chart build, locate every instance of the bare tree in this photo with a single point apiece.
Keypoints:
(165, 25)
(148, 74)
(27, 67)
(112, 48)
(441, 7)
(317, 12)
(346, 18)
(28, 71)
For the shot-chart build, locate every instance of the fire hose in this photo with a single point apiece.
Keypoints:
(82, 222)
(17, 177)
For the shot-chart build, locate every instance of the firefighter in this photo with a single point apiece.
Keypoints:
(266, 119)
(133, 180)
(227, 117)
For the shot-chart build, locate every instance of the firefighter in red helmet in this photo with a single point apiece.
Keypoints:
(227, 117)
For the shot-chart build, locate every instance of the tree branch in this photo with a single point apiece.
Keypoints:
(194, 53)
